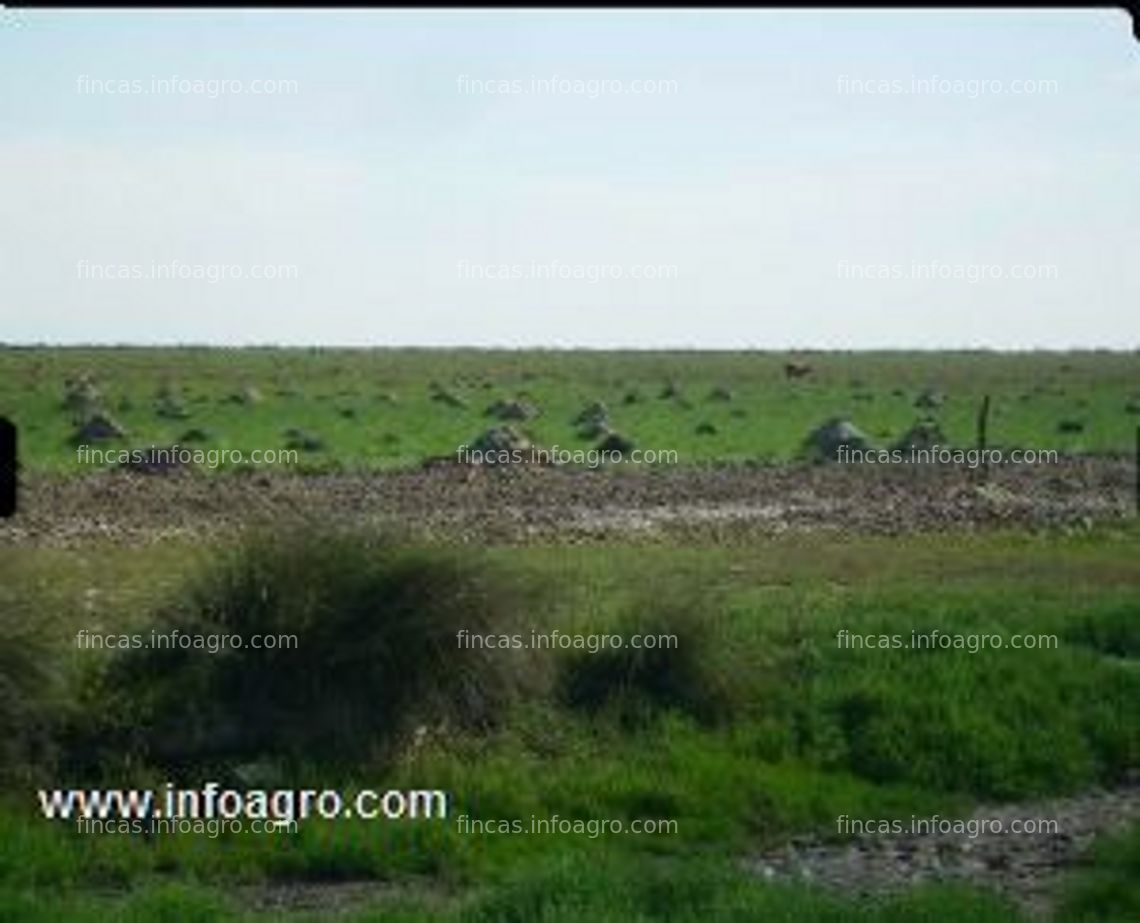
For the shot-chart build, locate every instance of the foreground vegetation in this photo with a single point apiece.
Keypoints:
(375, 408)
(755, 727)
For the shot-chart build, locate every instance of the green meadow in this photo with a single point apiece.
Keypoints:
(756, 727)
(394, 407)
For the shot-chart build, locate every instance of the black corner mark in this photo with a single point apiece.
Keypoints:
(7, 467)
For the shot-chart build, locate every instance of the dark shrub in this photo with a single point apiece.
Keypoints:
(32, 681)
(375, 655)
(694, 675)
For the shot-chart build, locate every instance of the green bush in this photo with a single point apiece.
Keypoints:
(695, 675)
(32, 681)
(375, 654)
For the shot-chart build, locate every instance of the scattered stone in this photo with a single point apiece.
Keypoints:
(246, 397)
(825, 441)
(498, 445)
(448, 398)
(616, 442)
(595, 429)
(594, 413)
(512, 410)
(155, 461)
(977, 851)
(924, 434)
(99, 427)
(929, 399)
(81, 397)
(168, 406)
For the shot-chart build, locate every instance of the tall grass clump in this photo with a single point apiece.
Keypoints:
(366, 651)
(694, 670)
(33, 680)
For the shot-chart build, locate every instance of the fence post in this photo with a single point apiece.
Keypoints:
(983, 419)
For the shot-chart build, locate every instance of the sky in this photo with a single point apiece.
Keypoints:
(730, 179)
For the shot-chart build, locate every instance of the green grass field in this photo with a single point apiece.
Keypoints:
(764, 729)
(756, 729)
(375, 407)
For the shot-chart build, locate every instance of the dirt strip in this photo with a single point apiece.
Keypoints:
(528, 503)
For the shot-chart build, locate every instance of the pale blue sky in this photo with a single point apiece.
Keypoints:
(751, 190)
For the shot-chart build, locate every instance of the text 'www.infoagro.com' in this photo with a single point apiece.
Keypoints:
(212, 807)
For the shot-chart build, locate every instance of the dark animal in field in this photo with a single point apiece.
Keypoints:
(1071, 426)
(794, 370)
(671, 390)
(705, 428)
(720, 393)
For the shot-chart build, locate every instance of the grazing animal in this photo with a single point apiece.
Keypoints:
(795, 370)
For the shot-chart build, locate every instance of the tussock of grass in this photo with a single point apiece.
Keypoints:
(691, 668)
(1108, 888)
(33, 681)
(375, 654)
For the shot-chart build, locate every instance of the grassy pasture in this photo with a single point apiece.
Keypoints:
(373, 408)
(801, 731)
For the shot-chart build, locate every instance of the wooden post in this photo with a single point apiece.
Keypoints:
(983, 418)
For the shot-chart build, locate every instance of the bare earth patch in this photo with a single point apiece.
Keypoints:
(529, 503)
